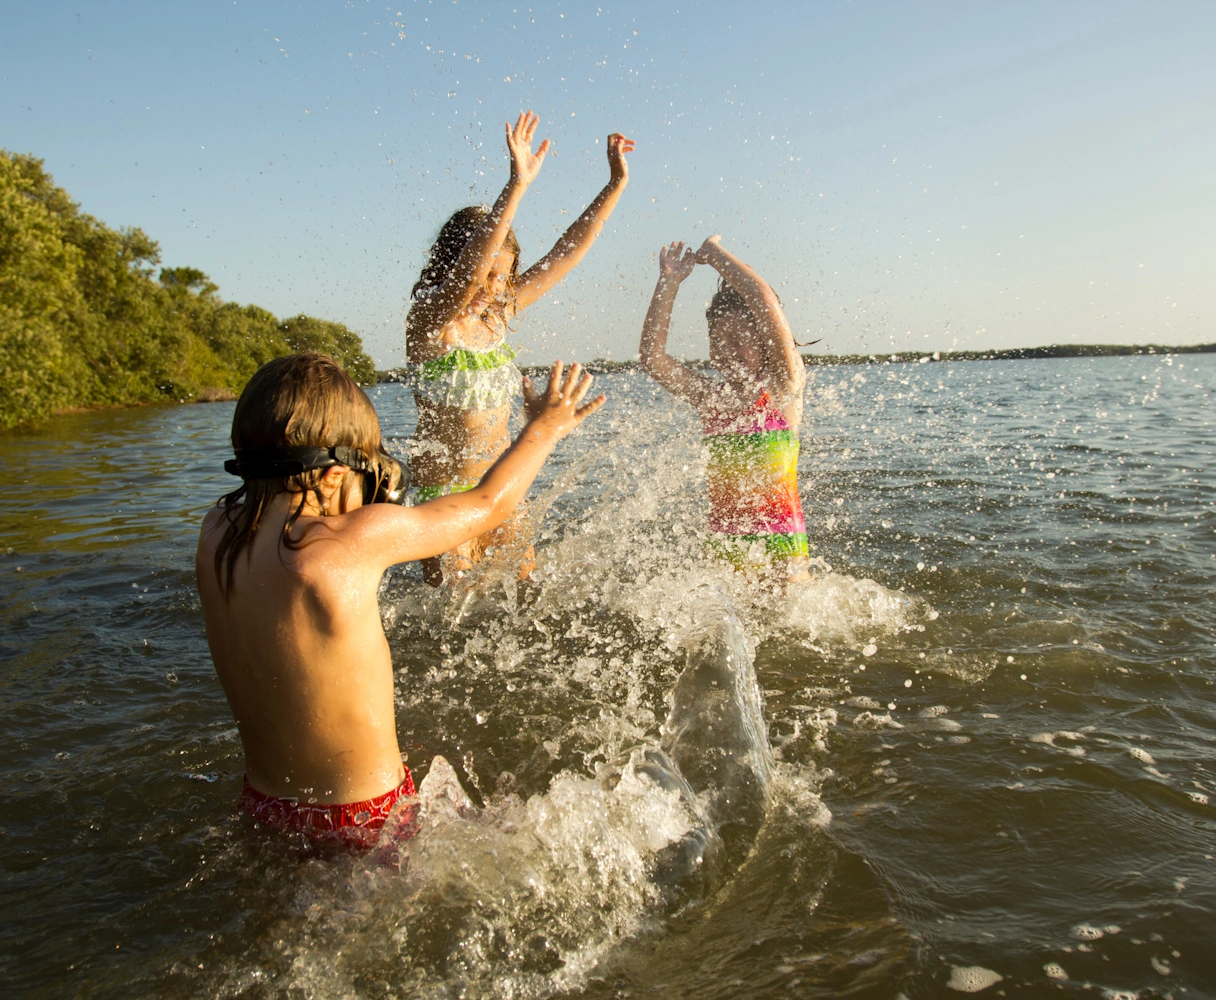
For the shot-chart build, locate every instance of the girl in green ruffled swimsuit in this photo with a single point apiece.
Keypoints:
(461, 370)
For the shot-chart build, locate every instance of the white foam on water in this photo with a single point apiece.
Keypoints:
(1049, 739)
(1055, 971)
(972, 978)
(795, 793)
(1087, 932)
(838, 608)
(520, 899)
(871, 720)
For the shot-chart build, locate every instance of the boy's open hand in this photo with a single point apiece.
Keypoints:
(618, 146)
(676, 263)
(558, 410)
(711, 245)
(525, 164)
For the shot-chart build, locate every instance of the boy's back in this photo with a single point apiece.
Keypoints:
(288, 569)
(298, 646)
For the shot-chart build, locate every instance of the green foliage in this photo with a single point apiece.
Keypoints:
(83, 322)
(303, 333)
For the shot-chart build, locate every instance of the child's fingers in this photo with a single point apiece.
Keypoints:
(542, 150)
(580, 390)
(529, 390)
(571, 380)
(589, 408)
(555, 380)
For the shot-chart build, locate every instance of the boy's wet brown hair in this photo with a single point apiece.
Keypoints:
(302, 400)
(456, 232)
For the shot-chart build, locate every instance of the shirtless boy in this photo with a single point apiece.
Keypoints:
(288, 568)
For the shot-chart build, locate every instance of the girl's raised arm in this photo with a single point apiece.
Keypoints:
(780, 352)
(574, 243)
(443, 304)
(676, 377)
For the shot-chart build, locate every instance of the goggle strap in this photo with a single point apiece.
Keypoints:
(278, 463)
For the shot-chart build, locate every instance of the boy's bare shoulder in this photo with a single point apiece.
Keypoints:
(212, 520)
(374, 524)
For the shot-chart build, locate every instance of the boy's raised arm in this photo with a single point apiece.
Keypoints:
(405, 534)
(676, 377)
(573, 244)
(776, 337)
(477, 257)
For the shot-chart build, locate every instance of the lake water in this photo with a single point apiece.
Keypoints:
(993, 713)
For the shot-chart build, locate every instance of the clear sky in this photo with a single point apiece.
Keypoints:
(909, 176)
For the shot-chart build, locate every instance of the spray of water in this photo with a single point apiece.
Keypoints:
(609, 722)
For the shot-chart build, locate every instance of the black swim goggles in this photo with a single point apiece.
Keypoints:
(384, 481)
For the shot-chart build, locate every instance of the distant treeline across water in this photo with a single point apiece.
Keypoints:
(85, 323)
(602, 366)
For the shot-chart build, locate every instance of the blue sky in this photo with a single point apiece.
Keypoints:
(909, 176)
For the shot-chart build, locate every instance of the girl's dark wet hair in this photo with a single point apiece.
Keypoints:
(303, 400)
(456, 232)
(726, 301)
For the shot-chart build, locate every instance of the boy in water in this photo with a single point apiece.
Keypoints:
(288, 568)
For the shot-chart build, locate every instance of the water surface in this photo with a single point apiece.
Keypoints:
(993, 713)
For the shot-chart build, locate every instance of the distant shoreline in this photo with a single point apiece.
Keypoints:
(605, 366)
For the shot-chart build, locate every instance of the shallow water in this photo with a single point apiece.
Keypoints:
(992, 713)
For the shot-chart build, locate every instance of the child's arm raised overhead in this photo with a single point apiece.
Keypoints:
(392, 534)
(431, 312)
(782, 360)
(574, 243)
(676, 377)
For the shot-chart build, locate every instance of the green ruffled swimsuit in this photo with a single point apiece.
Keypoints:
(468, 380)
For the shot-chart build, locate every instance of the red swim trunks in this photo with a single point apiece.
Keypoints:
(356, 825)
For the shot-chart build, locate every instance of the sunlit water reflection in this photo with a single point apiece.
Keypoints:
(992, 713)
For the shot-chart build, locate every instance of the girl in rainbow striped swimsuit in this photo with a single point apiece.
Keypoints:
(750, 418)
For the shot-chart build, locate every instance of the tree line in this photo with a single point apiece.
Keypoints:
(86, 319)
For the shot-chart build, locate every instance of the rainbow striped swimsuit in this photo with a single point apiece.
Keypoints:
(753, 486)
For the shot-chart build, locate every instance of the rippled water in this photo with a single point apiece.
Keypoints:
(992, 714)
